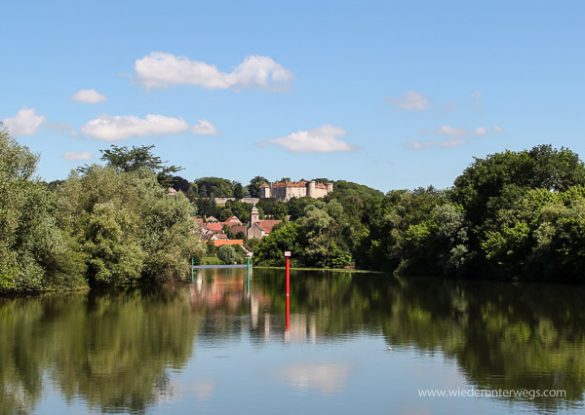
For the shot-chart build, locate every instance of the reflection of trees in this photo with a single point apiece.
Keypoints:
(113, 350)
(502, 335)
(21, 360)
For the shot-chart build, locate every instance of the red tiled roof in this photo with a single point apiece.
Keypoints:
(233, 219)
(268, 224)
(222, 242)
(214, 226)
(238, 228)
(289, 184)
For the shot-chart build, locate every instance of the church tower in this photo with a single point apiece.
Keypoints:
(255, 216)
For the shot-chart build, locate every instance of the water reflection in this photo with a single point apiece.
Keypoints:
(326, 377)
(124, 351)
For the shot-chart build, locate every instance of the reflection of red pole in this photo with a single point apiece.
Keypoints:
(287, 270)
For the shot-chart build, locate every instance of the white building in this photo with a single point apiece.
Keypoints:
(287, 190)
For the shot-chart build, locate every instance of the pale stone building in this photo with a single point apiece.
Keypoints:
(260, 228)
(287, 190)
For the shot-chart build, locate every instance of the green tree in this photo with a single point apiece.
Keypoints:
(34, 253)
(254, 185)
(270, 250)
(230, 255)
(238, 190)
(215, 187)
(123, 159)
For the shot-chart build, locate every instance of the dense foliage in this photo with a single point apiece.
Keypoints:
(330, 233)
(103, 226)
(512, 215)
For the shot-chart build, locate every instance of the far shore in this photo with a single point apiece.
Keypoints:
(344, 270)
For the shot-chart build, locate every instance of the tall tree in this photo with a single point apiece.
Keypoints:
(254, 186)
(123, 159)
(238, 190)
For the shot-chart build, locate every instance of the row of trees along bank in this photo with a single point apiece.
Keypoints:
(511, 215)
(107, 225)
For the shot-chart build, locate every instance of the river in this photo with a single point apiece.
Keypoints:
(356, 343)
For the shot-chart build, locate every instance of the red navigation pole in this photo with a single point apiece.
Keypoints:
(287, 270)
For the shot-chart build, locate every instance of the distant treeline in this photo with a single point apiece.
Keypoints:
(512, 215)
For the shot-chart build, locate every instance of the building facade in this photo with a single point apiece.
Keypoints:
(260, 228)
(287, 190)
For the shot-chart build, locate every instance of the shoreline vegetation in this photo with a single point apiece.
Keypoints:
(512, 216)
(340, 270)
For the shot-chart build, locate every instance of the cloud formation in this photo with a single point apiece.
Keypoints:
(455, 137)
(25, 122)
(481, 131)
(324, 139)
(77, 156)
(120, 127)
(411, 101)
(449, 131)
(204, 127)
(88, 96)
(161, 69)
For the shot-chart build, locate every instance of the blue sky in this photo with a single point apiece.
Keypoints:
(392, 94)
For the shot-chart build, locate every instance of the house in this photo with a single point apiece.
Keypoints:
(233, 220)
(239, 229)
(214, 227)
(287, 190)
(211, 219)
(260, 228)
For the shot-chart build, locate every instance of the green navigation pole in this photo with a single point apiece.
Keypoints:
(248, 265)
(192, 270)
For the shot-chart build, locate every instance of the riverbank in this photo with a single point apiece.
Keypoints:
(341, 270)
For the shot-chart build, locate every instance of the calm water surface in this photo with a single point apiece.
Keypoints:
(219, 347)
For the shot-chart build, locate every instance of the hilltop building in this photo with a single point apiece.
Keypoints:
(287, 190)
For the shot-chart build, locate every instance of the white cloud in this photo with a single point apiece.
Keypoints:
(204, 127)
(161, 69)
(452, 142)
(77, 156)
(419, 145)
(319, 140)
(411, 101)
(451, 131)
(481, 131)
(88, 96)
(25, 122)
(120, 127)
(497, 129)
